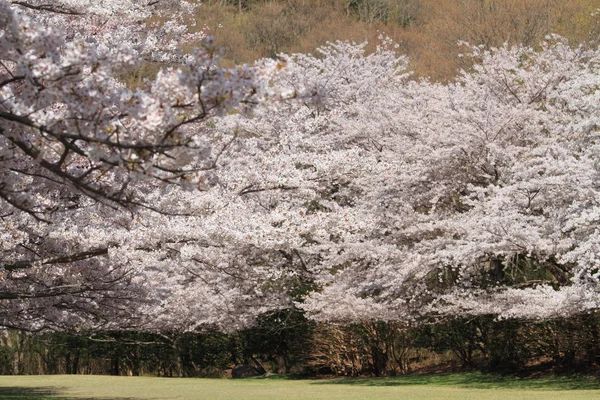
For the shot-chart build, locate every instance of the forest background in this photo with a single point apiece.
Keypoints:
(427, 31)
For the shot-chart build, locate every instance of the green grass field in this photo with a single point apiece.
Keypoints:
(467, 386)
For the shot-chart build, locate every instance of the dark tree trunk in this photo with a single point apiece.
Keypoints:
(114, 366)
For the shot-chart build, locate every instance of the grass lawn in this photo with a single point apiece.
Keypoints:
(464, 386)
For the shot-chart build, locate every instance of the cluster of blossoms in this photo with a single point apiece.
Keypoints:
(203, 199)
(79, 150)
(482, 195)
(397, 199)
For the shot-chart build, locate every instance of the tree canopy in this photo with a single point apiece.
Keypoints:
(334, 183)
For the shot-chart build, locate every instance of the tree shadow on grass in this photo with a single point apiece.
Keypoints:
(476, 381)
(280, 377)
(45, 393)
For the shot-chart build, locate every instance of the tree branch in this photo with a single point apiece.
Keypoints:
(57, 260)
(47, 8)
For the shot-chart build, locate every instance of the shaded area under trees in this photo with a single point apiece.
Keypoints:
(285, 342)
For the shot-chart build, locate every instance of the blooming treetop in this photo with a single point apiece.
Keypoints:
(487, 191)
(78, 148)
(366, 195)
(395, 199)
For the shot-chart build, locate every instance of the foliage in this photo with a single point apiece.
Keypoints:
(285, 341)
(80, 151)
(428, 31)
(210, 198)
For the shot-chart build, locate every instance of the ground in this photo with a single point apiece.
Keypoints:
(470, 386)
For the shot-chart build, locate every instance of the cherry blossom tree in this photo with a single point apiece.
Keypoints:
(395, 199)
(204, 200)
(81, 153)
(487, 193)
